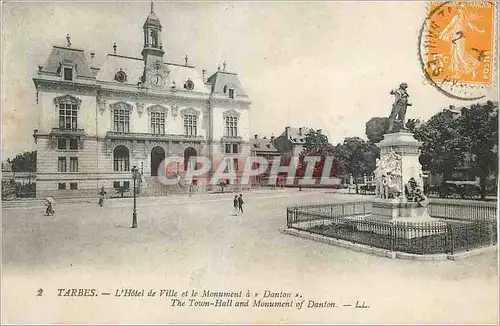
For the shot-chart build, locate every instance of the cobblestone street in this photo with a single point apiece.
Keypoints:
(196, 243)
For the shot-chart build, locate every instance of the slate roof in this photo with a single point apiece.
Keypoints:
(297, 135)
(67, 56)
(287, 141)
(134, 67)
(222, 78)
(262, 145)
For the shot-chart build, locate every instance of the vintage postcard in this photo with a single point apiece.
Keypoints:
(198, 162)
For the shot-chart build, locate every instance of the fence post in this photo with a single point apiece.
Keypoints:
(490, 232)
(467, 238)
(393, 236)
(452, 241)
(288, 217)
(420, 231)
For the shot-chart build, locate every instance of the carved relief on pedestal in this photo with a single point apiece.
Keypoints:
(388, 175)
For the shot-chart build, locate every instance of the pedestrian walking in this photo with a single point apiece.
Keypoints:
(101, 196)
(240, 203)
(236, 204)
(50, 210)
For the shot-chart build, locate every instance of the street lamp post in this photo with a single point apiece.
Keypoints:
(134, 214)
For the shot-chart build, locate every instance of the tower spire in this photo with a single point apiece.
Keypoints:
(152, 6)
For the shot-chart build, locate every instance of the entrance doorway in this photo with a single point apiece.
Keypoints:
(157, 156)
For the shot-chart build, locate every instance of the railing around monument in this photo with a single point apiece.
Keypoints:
(462, 210)
(345, 221)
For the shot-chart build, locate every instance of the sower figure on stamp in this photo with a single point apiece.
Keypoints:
(399, 107)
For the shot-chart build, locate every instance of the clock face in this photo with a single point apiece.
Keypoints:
(157, 80)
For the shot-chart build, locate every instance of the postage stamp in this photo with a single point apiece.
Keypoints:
(457, 47)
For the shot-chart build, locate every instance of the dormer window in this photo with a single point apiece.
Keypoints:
(68, 73)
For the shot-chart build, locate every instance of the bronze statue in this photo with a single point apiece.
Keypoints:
(398, 112)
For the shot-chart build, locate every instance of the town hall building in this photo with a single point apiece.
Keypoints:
(95, 122)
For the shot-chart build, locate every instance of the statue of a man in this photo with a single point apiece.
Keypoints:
(401, 102)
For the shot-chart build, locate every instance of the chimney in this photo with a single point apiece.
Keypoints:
(452, 107)
(272, 139)
(255, 136)
(287, 131)
(300, 131)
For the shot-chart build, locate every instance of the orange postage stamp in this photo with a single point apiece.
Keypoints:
(458, 45)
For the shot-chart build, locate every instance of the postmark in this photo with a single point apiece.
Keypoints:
(457, 47)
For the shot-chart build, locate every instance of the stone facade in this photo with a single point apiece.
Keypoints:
(95, 122)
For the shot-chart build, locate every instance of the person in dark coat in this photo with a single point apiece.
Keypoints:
(236, 204)
(240, 203)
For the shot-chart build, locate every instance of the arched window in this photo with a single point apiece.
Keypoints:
(68, 111)
(121, 161)
(190, 121)
(231, 119)
(121, 116)
(157, 116)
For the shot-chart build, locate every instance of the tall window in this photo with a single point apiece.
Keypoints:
(190, 125)
(158, 123)
(231, 93)
(68, 74)
(73, 164)
(121, 118)
(121, 160)
(231, 126)
(61, 164)
(68, 116)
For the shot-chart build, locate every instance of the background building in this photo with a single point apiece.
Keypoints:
(291, 142)
(96, 121)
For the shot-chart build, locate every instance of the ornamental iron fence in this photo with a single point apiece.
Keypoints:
(458, 227)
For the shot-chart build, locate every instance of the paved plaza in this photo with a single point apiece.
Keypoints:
(196, 243)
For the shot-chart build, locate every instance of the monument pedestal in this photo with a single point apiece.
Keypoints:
(399, 153)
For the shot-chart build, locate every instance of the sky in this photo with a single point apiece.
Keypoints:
(324, 65)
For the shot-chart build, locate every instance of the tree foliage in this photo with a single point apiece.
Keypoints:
(478, 128)
(447, 140)
(317, 144)
(413, 124)
(357, 156)
(442, 149)
(24, 162)
(375, 128)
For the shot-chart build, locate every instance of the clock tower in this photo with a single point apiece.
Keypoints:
(155, 70)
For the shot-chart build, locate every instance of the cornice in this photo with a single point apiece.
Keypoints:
(59, 85)
(228, 101)
(141, 96)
